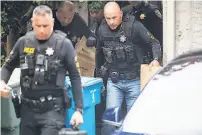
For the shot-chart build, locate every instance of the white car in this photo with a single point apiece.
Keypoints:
(170, 104)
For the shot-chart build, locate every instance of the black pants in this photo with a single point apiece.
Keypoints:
(47, 123)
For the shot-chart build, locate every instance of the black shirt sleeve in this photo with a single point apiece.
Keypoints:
(82, 26)
(157, 26)
(99, 57)
(147, 38)
(12, 62)
(70, 64)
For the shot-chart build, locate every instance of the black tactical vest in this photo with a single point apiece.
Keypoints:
(41, 66)
(119, 51)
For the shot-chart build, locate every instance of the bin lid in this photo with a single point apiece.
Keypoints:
(86, 81)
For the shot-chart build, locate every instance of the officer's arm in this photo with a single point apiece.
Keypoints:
(158, 25)
(99, 52)
(158, 14)
(127, 9)
(83, 27)
(12, 62)
(70, 65)
(148, 39)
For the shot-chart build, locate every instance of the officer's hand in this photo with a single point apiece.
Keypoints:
(78, 42)
(4, 89)
(154, 63)
(77, 119)
(98, 72)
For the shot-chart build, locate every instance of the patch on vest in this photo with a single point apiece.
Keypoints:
(49, 51)
(8, 58)
(122, 38)
(29, 50)
(150, 35)
(77, 63)
(142, 16)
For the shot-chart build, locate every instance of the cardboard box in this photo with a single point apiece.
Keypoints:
(147, 73)
(85, 58)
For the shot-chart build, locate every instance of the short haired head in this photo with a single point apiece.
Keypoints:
(42, 10)
(113, 15)
(65, 13)
(42, 22)
(94, 6)
(96, 9)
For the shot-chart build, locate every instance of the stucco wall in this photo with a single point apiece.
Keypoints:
(182, 27)
(82, 9)
(188, 26)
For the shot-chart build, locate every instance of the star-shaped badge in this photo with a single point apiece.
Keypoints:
(49, 51)
(122, 38)
(142, 16)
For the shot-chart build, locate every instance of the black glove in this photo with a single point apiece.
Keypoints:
(98, 72)
(91, 41)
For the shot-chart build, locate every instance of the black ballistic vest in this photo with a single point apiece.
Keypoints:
(41, 64)
(119, 50)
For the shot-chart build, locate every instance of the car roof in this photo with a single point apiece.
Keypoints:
(171, 102)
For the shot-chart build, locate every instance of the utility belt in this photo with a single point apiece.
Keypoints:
(43, 104)
(116, 76)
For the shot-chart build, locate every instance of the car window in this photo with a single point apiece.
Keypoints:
(170, 103)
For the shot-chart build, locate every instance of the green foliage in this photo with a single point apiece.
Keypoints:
(2, 32)
(15, 14)
(12, 13)
(3, 58)
(96, 5)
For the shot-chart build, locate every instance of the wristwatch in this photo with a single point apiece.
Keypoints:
(79, 110)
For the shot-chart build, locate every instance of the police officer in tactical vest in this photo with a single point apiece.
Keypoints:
(44, 56)
(119, 54)
(150, 16)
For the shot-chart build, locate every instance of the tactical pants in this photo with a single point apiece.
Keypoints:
(47, 123)
(100, 108)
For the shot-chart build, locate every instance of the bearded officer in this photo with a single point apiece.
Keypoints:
(119, 54)
(44, 56)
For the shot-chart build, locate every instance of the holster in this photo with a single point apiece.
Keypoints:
(17, 105)
(114, 76)
(104, 74)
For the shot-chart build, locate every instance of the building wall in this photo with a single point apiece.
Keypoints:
(188, 26)
(182, 27)
(82, 9)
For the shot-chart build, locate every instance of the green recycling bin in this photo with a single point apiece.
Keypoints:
(9, 123)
